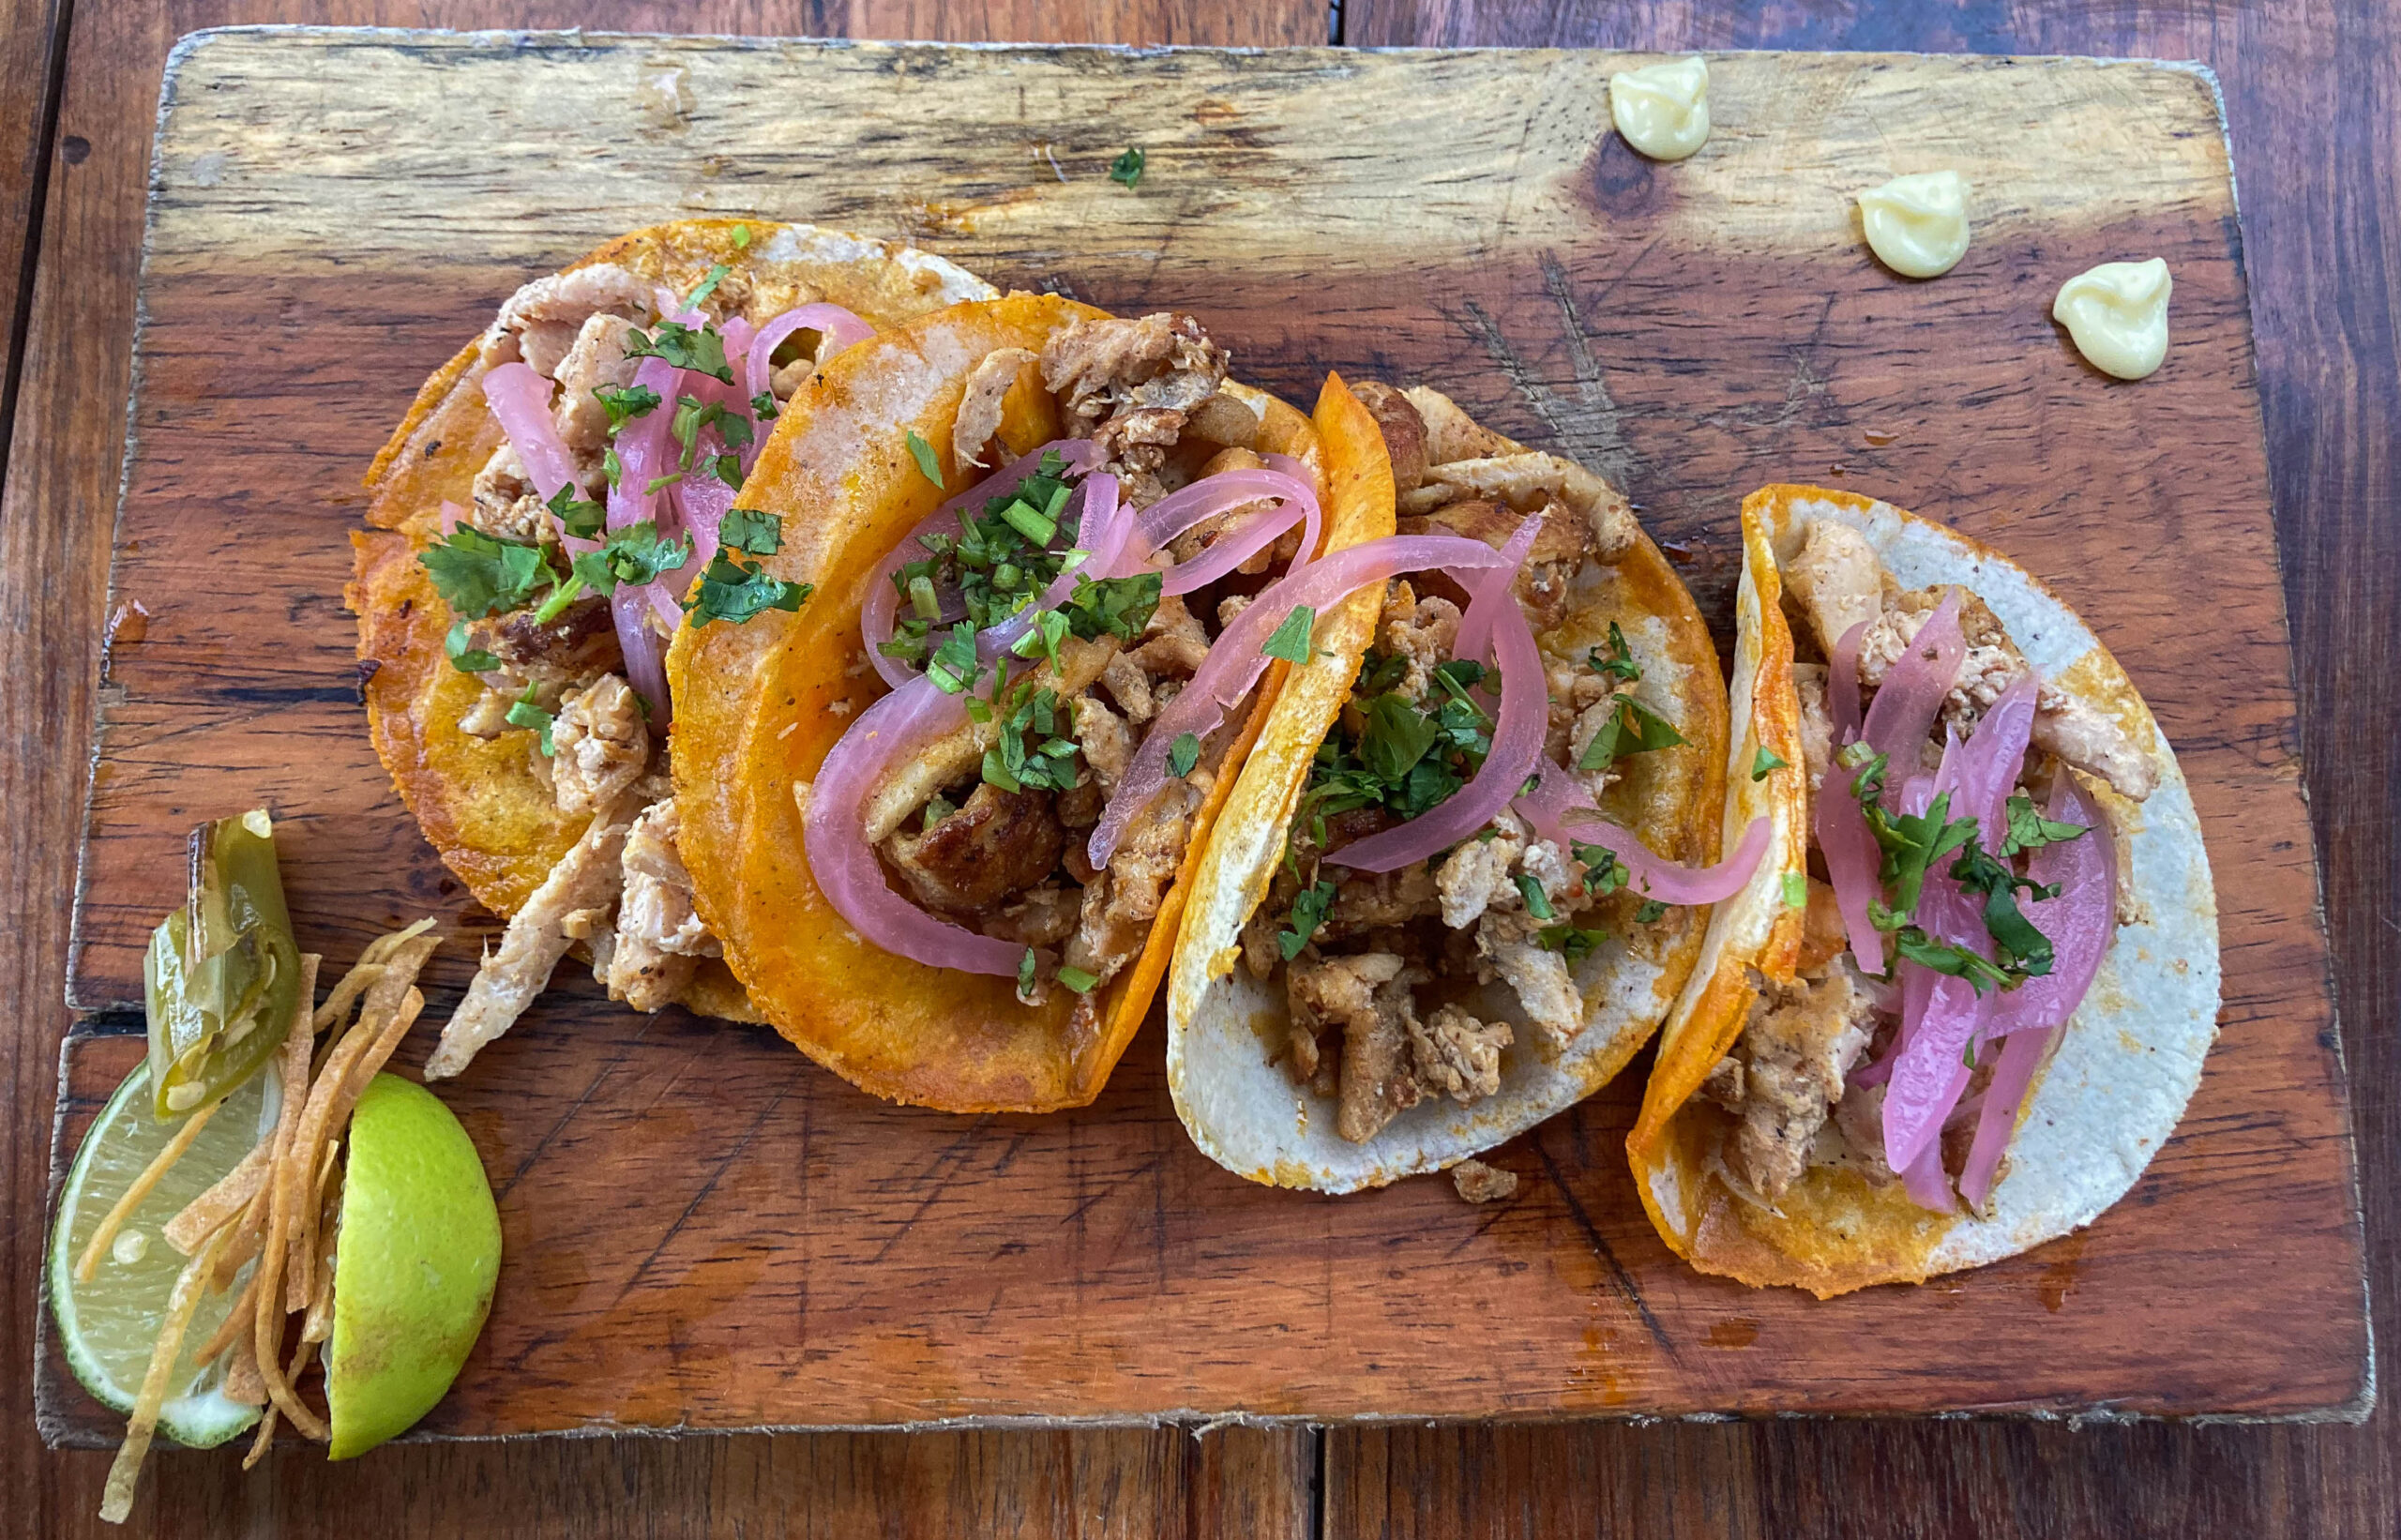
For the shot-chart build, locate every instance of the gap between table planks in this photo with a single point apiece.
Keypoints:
(1689, 330)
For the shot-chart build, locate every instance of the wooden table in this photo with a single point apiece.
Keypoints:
(2310, 96)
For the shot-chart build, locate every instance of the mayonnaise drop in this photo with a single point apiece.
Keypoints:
(1663, 109)
(2117, 314)
(1917, 226)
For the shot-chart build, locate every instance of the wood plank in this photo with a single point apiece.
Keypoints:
(55, 530)
(2319, 193)
(1692, 330)
(30, 38)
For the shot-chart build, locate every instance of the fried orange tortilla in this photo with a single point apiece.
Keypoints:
(493, 821)
(762, 704)
(2115, 1086)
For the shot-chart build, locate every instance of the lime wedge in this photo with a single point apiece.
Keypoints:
(109, 1325)
(412, 1276)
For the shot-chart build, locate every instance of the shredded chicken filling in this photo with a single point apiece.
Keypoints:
(1789, 1084)
(1389, 990)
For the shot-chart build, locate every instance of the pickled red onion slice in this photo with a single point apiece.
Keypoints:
(1898, 720)
(1854, 863)
(1913, 688)
(642, 447)
(521, 399)
(1842, 685)
(1493, 615)
(837, 324)
(1556, 800)
(1180, 510)
(1990, 759)
(1237, 659)
(629, 607)
(2080, 923)
(739, 334)
(1931, 1071)
(845, 864)
(882, 608)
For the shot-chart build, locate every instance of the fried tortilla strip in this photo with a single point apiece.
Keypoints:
(116, 1500)
(587, 877)
(227, 1199)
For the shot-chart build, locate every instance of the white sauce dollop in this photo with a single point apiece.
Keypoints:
(2117, 314)
(1917, 226)
(1663, 109)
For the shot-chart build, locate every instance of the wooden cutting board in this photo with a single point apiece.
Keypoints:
(703, 1230)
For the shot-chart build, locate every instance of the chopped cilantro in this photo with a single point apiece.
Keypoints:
(1024, 972)
(478, 574)
(1183, 754)
(559, 598)
(2017, 945)
(953, 666)
(1028, 751)
(1912, 842)
(1117, 607)
(579, 517)
(748, 529)
(1290, 641)
(634, 554)
(730, 591)
(1043, 636)
(997, 571)
(625, 403)
(1616, 662)
(1632, 728)
(1537, 901)
(2029, 829)
(707, 287)
(523, 713)
(1944, 957)
(1397, 736)
(928, 463)
(1378, 672)
(1127, 168)
(763, 406)
(692, 415)
(701, 351)
(464, 658)
(741, 237)
(1310, 908)
(1649, 911)
(611, 466)
(1077, 979)
(1570, 942)
(1604, 873)
(1765, 761)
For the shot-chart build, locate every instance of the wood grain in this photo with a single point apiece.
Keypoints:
(2319, 201)
(794, 1255)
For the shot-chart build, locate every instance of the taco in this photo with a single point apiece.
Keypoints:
(939, 817)
(534, 521)
(1969, 995)
(1452, 893)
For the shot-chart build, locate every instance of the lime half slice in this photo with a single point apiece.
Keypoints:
(109, 1325)
(413, 1276)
